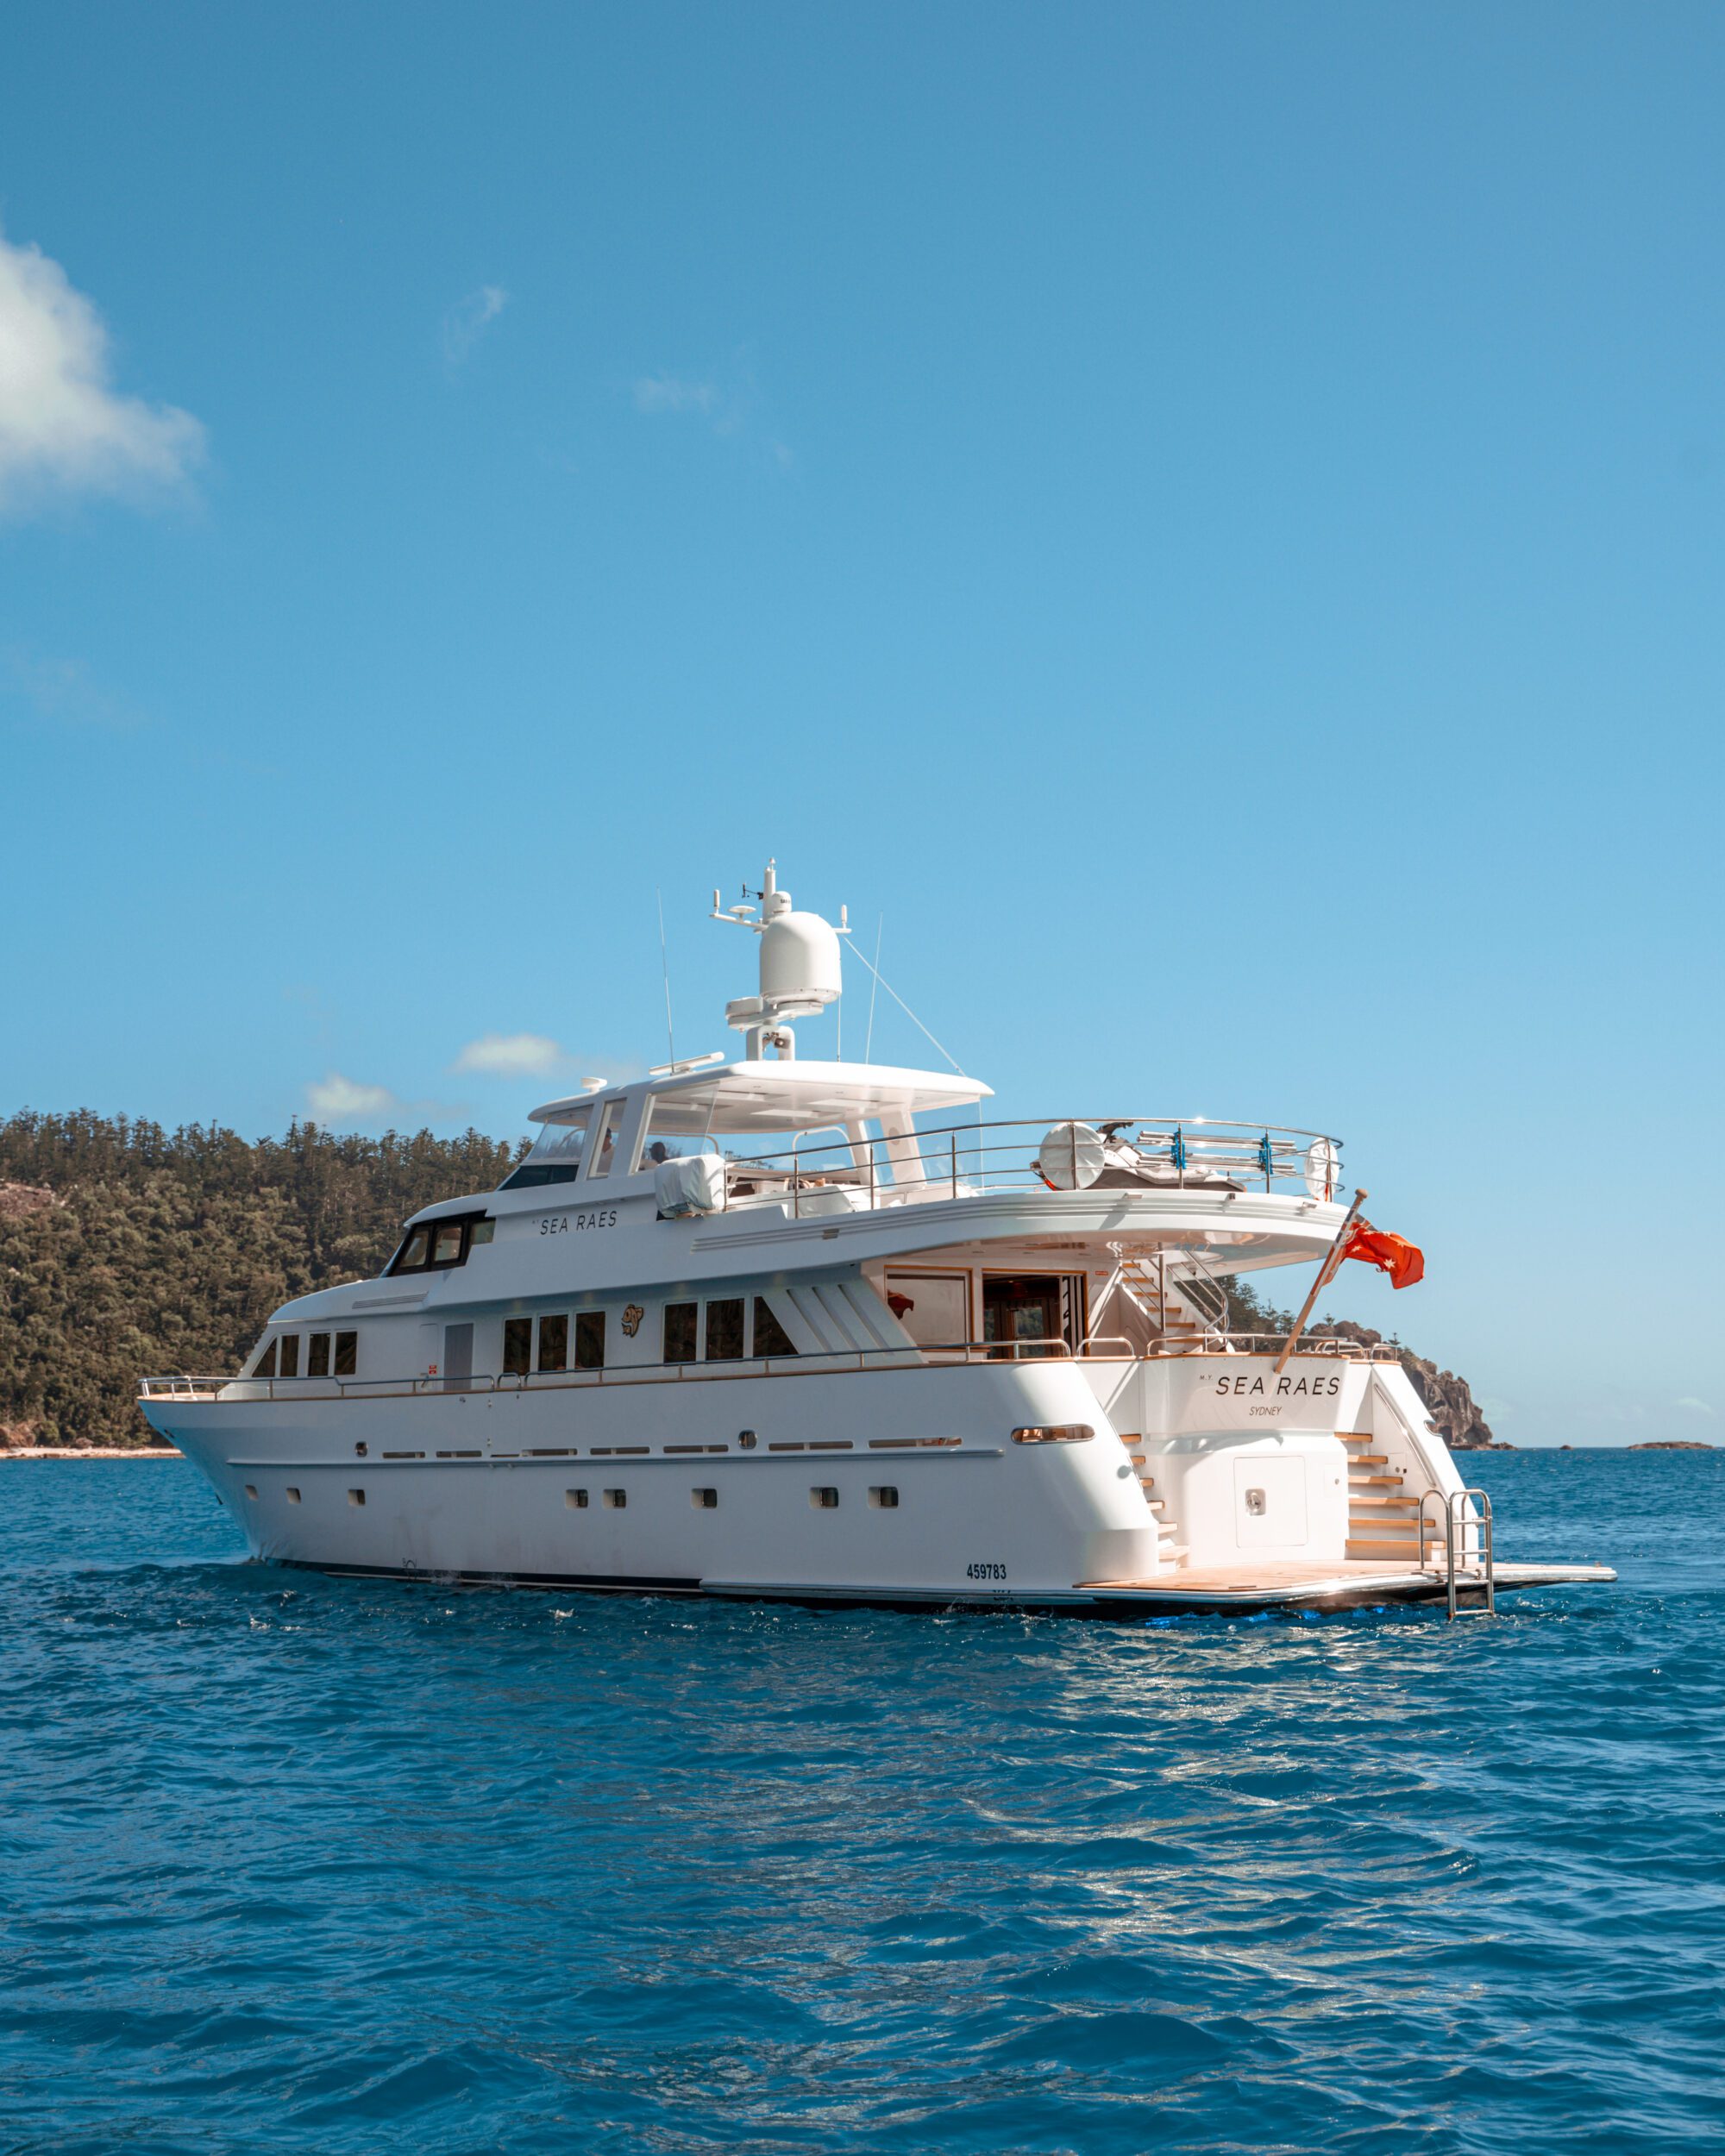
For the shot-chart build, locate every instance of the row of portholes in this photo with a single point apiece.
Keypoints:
(824, 1497)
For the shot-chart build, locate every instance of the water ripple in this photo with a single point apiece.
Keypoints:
(291, 1863)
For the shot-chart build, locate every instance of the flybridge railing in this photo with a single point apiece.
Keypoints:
(1123, 1153)
(950, 1355)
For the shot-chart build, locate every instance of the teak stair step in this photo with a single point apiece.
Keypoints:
(1376, 1482)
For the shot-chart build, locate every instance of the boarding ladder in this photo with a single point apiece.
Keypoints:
(1457, 1573)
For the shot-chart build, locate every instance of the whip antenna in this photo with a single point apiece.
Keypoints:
(665, 961)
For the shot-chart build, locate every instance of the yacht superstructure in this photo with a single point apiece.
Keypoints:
(774, 1326)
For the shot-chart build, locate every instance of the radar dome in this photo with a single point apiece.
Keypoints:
(800, 963)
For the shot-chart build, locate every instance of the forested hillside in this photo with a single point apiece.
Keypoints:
(129, 1250)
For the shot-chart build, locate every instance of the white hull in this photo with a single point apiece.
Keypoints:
(976, 1517)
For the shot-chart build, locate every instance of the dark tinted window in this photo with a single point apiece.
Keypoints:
(347, 1354)
(532, 1178)
(290, 1355)
(518, 1345)
(724, 1330)
(480, 1232)
(317, 1355)
(553, 1343)
(265, 1366)
(770, 1337)
(447, 1250)
(680, 1331)
(590, 1340)
(415, 1251)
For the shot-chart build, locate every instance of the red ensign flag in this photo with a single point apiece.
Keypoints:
(1404, 1262)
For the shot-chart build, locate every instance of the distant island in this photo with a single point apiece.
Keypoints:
(128, 1250)
(1671, 1444)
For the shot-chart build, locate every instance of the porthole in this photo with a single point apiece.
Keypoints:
(576, 1500)
(251, 1492)
(360, 1451)
(356, 1497)
(883, 1497)
(704, 1500)
(824, 1497)
(615, 1500)
(292, 1494)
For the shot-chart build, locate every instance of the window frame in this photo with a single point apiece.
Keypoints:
(740, 1303)
(676, 1362)
(433, 1229)
(559, 1318)
(587, 1322)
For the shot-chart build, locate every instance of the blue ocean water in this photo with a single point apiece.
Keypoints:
(291, 1863)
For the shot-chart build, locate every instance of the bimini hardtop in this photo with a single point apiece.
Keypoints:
(830, 1331)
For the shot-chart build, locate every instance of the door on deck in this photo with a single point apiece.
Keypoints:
(1033, 1313)
(458, 1357)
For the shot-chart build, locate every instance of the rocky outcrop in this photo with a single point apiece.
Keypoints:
(19, 1200)
(1449, 1400)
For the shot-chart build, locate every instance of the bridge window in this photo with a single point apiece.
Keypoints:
(317, 1355)
(347, 1354)
(608, 1129)
(265, 1366)
(290, 1355)
(556, 1155)
(437, 1244)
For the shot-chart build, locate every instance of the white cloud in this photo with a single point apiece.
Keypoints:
(667, 392)
(62, 425)
(1700, 1406)
(63, 691)
(467, 321)
(340, 1099)
(512, 1055)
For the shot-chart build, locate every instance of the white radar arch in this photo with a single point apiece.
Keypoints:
(801, 972)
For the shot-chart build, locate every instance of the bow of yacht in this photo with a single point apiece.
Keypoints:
(774, 1326)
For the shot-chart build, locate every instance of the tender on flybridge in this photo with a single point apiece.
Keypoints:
(823, 1330)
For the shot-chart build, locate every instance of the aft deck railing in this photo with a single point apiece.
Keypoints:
(818, 1361)
(1126, 1153)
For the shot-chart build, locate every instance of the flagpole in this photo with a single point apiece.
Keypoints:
(1327, 1272)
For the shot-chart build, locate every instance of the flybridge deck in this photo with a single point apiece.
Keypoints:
(821, 1330)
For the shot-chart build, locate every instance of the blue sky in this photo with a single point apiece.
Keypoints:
(1205, 521)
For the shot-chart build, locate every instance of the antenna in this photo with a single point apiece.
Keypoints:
(874, 983)
(665, 961)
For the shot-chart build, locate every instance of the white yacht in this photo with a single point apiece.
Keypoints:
(823, 1331)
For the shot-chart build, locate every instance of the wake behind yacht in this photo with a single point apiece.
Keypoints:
(823, 1331)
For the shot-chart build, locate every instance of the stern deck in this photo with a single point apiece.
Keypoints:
(1343, 1583)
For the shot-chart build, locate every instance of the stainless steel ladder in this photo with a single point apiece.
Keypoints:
(1456, 1524)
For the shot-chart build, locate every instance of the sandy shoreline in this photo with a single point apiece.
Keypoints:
(92, 1452)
